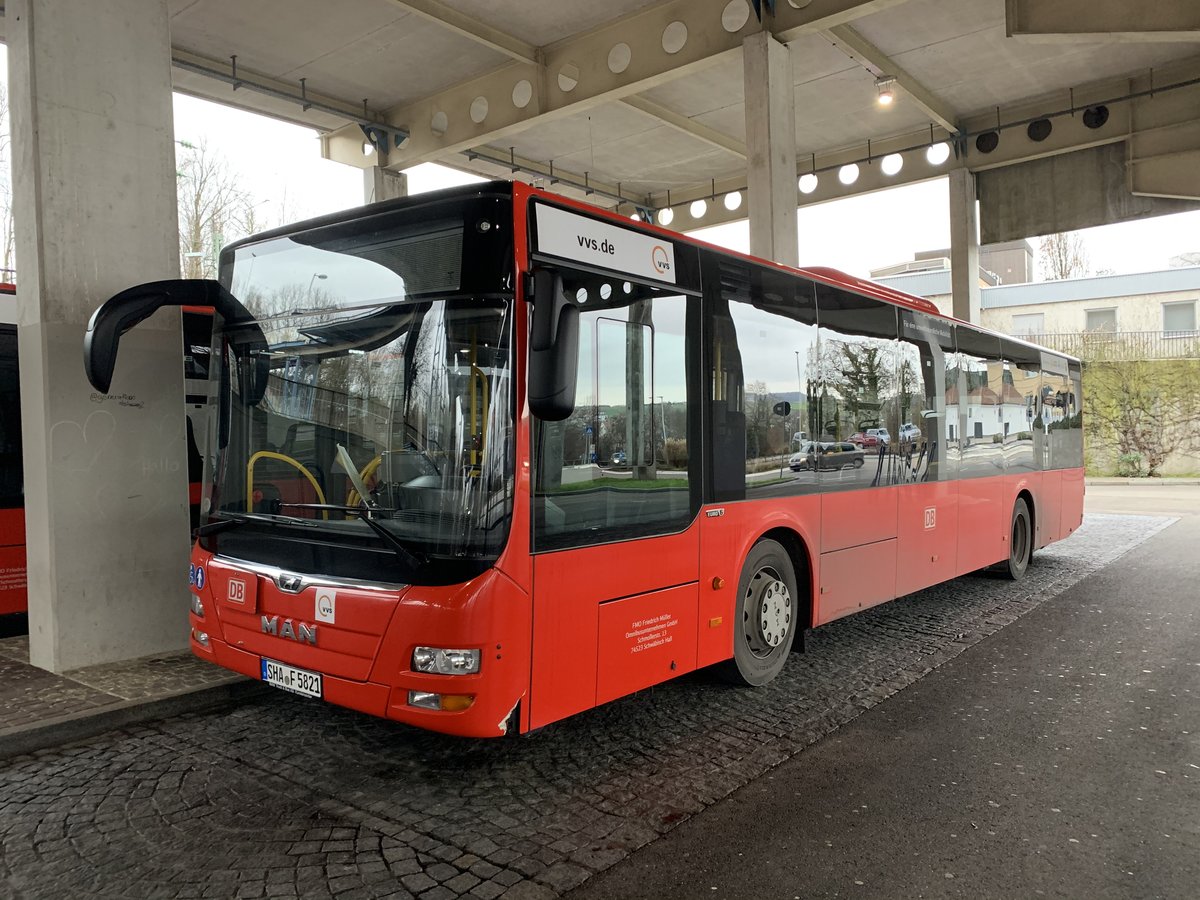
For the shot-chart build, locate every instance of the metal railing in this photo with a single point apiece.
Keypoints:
(1122, 345)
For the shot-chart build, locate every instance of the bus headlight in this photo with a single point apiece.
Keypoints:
(197, 606)
(438, 661)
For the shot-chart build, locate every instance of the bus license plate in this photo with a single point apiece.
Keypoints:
(289, 678)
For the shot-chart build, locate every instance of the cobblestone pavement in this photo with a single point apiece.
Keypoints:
(286, 798)
(31, 696)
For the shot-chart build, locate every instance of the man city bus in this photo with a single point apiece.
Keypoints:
(411, 506)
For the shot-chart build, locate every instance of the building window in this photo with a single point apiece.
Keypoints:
(1030, 323)
(1179, 319)
(1100, 320)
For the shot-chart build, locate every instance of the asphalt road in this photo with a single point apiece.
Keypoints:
(1060, 757)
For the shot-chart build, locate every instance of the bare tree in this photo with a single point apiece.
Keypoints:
(1145, 410)
(1063, 256)
(7, 231)
(212, 207)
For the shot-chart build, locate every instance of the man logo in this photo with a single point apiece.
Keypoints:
(660, 259)
(298, 631)
(293, 584)
(237, 591)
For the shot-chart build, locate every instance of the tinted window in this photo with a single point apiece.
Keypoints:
(977, 403)
(763, 381)
(857, 366)
(1020, 400)
(925, 371)
(1052, 425)
(197, 344)
(11, 473)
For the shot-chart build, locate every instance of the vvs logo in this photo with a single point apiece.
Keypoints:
(658, 256)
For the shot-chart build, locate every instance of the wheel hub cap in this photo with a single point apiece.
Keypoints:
(773, 604)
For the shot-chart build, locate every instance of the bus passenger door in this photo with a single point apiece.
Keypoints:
(615, 501)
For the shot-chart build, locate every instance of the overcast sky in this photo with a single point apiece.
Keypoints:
(281, 164)
(856, 234)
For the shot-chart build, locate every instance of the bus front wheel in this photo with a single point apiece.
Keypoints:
(1020, 542)
(766, 616)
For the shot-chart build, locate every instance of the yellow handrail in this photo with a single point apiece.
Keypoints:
(478, 426)
(271, 454)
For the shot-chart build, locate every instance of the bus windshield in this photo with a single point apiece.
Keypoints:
(387, 396)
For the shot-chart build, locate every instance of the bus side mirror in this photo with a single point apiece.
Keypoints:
(553, 349)
(123, 311)
(782, 408)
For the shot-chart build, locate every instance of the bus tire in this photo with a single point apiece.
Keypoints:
(765, 617)
(1020, 541)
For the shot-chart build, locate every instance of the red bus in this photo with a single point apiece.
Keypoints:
(12, 498)
(197, 338)
(486, 458)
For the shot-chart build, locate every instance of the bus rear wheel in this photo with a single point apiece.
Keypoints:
(766, 616)
(1020, 541)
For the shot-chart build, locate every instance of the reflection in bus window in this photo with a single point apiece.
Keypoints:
(977, 404)
(857, 366)
(764, 383)
(619, 466)
(924, 434)
(1022, 403)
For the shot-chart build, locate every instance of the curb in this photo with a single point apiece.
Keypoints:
(1147, 482)
(79, 726)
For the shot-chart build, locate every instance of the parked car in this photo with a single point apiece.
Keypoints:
(619, 458)
(909, 433)
(870, 439)
(836, 455)
(799, 459)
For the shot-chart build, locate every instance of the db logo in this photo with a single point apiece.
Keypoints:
(237, 591)
(660, 259)
(930, 517)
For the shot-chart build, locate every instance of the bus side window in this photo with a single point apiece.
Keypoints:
(978, 410)
(619, 466)
(858, 368)
(762, 381)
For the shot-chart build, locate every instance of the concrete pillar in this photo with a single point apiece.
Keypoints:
(771, 148)
(964, 245)
(94, 184)
(383, 184)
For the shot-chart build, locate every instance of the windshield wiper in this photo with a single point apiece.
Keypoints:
(411, 558)
(233, 520)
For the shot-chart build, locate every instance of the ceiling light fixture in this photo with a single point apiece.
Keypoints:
(885, 85)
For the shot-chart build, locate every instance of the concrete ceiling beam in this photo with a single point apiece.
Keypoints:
(1112, 20)
(467, 27)
(701, 132)
(1163, 132)
(1164, 149)
(214, 79)
(859, 48)
(533, 169)
(621, 58)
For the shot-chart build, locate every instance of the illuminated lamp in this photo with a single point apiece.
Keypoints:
(1095, 116)
(1039, 129)
(885, 86)
(987, 142)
